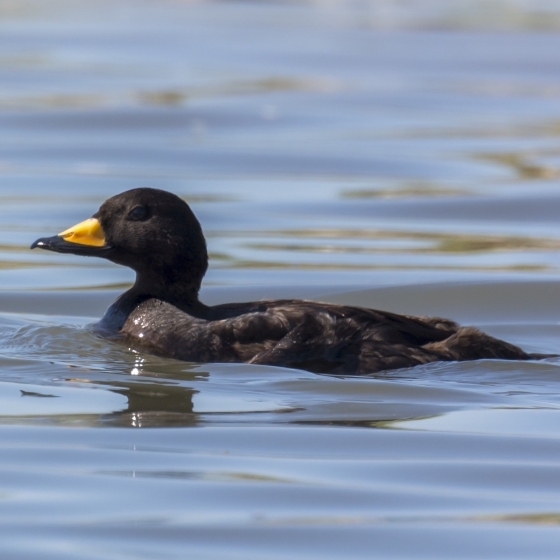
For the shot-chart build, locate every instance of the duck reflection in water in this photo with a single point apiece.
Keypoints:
(156, 234)
(155, 397)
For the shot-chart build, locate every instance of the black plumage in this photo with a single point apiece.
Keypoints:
(156, 234)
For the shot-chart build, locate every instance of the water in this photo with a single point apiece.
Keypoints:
(404, 156)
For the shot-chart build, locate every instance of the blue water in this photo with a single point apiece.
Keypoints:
(403, 156)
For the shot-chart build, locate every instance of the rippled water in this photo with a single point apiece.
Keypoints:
(404, 156)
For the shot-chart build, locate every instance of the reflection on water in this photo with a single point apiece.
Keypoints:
(409, 189)
(162, 97)
(521, 165)
(404, 241)
(400, 155)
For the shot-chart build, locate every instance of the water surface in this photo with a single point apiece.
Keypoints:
(404, 157)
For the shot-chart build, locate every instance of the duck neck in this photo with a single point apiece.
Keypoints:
(183, 295)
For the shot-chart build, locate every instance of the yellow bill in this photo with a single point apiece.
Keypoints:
(88, 232)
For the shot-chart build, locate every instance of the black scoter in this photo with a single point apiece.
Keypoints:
(156, 234)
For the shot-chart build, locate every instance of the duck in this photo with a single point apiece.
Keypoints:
(156, 234)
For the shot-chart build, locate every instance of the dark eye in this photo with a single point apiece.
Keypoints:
(138, 214)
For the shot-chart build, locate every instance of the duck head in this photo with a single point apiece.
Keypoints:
(153, 232)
